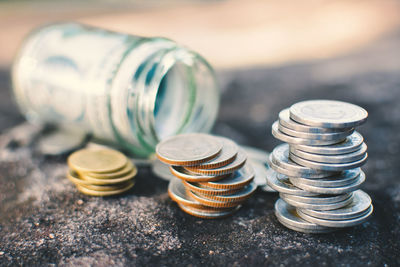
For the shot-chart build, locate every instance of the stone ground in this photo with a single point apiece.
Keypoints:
(45, 221)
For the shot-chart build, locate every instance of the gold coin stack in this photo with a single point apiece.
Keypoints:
(103, 172)
(212, 178)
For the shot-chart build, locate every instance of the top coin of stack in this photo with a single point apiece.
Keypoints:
(212, 177)
(101, 172)
(317, 172)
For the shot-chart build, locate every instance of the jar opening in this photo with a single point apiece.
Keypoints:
(172, 101)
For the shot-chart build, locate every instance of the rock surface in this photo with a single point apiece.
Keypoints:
(45, 221)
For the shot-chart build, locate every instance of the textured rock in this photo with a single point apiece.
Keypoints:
(45, 221)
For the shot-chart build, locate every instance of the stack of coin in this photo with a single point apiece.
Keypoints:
(212, 178)
(101, 172)
(317, 172)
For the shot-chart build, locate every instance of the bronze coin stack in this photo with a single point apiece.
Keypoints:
(212, 178)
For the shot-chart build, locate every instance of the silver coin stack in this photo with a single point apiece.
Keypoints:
(317, 171)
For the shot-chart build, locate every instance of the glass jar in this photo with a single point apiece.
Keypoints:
(127, 90)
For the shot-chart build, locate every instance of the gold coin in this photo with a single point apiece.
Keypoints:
(124, 171)
(98, 161)
(98, 181)
(86, 180)
(108, 187)
(90, 192)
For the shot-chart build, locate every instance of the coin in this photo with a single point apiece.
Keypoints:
(61, 141)
(280, 158)
(103, 193)
(235, 165)
(343, 158)
(258, 160)
(226, 156)
(300, 141)
(210, 213)
(123, 172)
(285, 120)
(188, 149)
(177, 192)
(291, 173)
(287, 215)
(204, 190)
(184, 174)
(360, 204)
(255, 153)
(161, 170)
(329, 166)
(108, 181)
(343, 178)
(331, 190)
(108, 188)
(337, 223)
(315, 136)
(319, 199)
(87, 180)
(99, 161)
(212, 202)
(283, 185)
(350, 144)
(330, 206)
(237, 196)
(328, 114)
(238, 179)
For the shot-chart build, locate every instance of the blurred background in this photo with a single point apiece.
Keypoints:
(230, 34)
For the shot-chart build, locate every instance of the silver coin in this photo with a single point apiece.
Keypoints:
(360, 204)
(258, 159)
(238, 162)
(177, 192)
(209, 213)
(319, 199)
(337, 223)
(350, 144)
(261, 171)
(226, 156)
(328, 113)
(343, 178)
(184, 174)
(255, 154)
(300, 141)
(61, 141)
(161, 170)
(243, 194)
(238, 179)
(329, 166)
(188, 149)
(330, 206)
(331, 190)
(280, 158)
(282, 184)
(316, 136)
(291, 173)
(343, 158)
(287, 215)
(285, 120)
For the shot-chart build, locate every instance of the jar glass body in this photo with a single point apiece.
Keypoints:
(128, 90)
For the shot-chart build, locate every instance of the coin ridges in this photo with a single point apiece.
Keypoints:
(317, 174)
